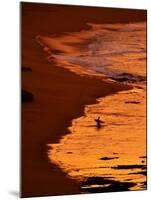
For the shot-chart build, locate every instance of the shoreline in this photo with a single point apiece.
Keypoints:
(40, 148)
(46, 119)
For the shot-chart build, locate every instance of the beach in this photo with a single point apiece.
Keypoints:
(59, 95)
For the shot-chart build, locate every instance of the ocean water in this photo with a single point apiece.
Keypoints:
(113, 157)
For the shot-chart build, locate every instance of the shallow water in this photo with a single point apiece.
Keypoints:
(92, 152)
(113, 157)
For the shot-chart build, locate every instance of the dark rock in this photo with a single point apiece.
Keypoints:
(108, 158)
(26, 96)
(133, 102)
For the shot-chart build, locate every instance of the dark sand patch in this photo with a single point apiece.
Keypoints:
(100, 184)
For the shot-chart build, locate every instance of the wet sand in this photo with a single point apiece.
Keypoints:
(59, 95)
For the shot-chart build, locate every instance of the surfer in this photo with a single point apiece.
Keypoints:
(98, 122)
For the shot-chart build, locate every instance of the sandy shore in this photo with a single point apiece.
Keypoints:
(59, 95)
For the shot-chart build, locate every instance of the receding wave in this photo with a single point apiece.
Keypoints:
(107, 49)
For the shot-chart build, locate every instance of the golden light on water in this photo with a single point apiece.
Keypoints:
(116, 151)
(90, 152)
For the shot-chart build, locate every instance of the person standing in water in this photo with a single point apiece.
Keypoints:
(98, 122)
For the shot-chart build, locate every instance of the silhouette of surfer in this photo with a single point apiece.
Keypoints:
(98, 122)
